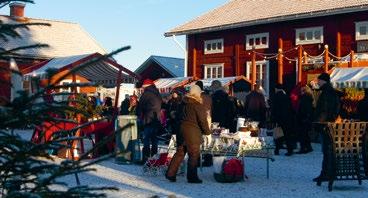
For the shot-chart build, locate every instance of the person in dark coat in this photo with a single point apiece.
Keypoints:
(327, 110)
(193, 126)
(133, 102)
(108, 110)
(255, 106)
(305, 117)
(223, 109)
(148, 110)
(174, 111)
(282, 114)
(124, 107)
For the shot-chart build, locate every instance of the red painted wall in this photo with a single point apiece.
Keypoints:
(345, 23)
(5, 76)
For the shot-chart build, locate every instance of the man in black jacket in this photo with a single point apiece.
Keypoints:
(148, 111)
(282, 114)
(327, 110)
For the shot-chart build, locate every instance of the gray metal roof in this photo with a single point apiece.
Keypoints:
(174, 66)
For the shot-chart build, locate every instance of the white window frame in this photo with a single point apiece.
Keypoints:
(214, 51)
(258, 63)
(68, 81)
(359, 37)
(217, 65)
(254, 36)
(305, 30)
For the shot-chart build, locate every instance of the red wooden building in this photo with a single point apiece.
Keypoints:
(287, 40)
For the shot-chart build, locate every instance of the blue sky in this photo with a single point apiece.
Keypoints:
(116, 23)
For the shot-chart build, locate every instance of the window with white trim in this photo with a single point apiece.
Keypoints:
(262, 74)
(309, 35)
(214, 71)
(214, 46)
(361, 30)
(258, 41)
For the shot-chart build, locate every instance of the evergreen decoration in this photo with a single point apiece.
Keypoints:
(27, 169)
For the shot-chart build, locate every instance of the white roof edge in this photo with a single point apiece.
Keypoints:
(269, 20)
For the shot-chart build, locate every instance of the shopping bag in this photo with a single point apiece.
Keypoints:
(232, 170)
(278, 132)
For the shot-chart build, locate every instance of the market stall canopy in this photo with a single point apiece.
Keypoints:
(165, 85)
(356, 77)
(104, 71)
(238, 83)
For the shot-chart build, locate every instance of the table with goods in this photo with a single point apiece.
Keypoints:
(248, 141)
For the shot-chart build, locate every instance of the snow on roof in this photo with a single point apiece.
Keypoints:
(241, 13)
(104, 71)
(165, 85)
(59, 63)
(224, 81)
(64, 39)
(350, 77)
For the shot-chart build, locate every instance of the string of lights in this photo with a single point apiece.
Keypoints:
(339, 58)
(269, 56)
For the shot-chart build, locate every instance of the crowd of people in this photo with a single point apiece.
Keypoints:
(189, 114)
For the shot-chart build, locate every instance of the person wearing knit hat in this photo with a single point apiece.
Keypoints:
(327, 110)
(147, 82)
(189, 137)
(195, 92)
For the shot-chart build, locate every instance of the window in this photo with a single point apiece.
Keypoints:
(214, 46)
(214, 71)
(262, 74)
(361, 30)
(309, 35)
(258, 41)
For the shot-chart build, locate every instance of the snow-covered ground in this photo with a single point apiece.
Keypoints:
(289, 177)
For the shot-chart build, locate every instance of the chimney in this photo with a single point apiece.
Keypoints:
(17, 10)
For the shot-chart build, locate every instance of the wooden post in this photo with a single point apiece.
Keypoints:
(326, 59)
(254, 69)
(74, 80)
(117, 92)
(280, 62)
(351, 63)
(305, 57)
(195, 62)
(338, 44)
(237, 60)
(300, 63)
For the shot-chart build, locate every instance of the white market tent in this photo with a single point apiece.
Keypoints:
(165, 85)
(226, 81)
(356, 77)
(104, 71)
